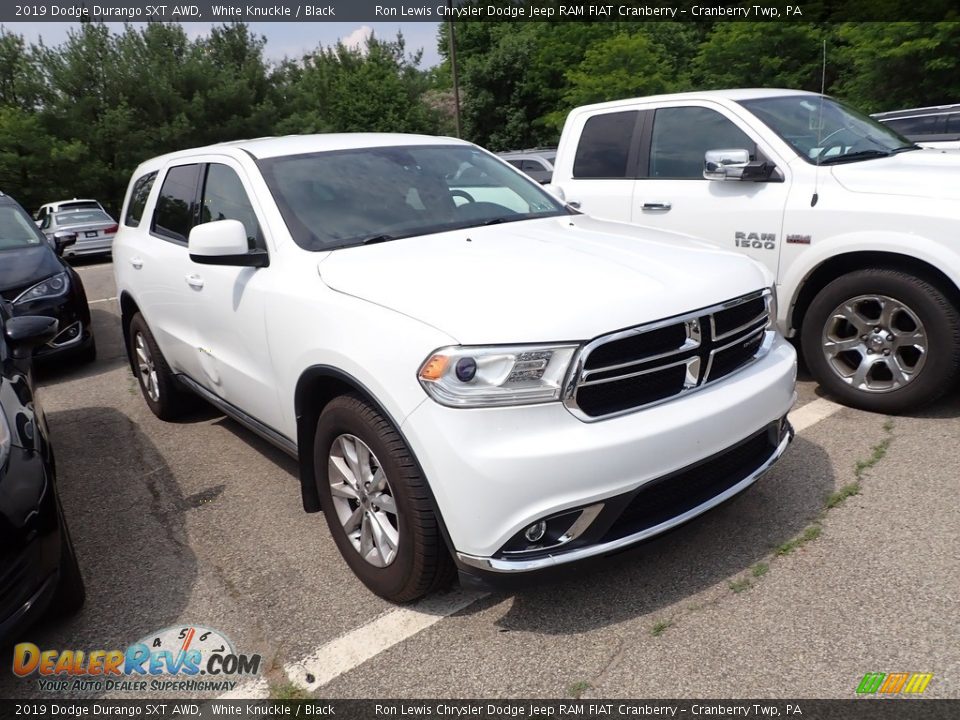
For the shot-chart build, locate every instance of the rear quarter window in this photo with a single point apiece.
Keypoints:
(138, 199)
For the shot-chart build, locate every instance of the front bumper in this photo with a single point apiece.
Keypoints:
(495, 472)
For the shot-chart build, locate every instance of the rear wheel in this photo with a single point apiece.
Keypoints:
(882, 340)
(376, 503)
(157, 383)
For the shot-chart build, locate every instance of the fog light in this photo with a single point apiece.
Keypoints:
(535, 532)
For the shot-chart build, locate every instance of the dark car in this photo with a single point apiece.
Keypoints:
(37, 281)
(38, 566)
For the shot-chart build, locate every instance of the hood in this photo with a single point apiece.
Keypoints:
(929, 173)
(553, 279)
(25, 266)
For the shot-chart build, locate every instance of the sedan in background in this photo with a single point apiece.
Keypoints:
(35, 280)
(61, 205)
(94, 229)
(936, 127)
(38, 567)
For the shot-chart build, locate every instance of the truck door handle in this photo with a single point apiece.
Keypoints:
(194, 281)
(136, 262)
(656, 207)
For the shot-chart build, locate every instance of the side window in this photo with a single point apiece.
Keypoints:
(177, 204)
(138, 199)
(532, 166)
(604, 149)
(518, 164)
(681, 137)
(45, 222)
(225, 199)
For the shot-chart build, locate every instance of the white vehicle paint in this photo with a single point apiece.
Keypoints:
(479, 376)
(858, 225)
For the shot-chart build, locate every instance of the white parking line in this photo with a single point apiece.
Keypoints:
(351, 650)
(357, 646)
(109, 299)
(812, 413)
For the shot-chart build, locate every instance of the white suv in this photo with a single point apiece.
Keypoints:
(465, 368)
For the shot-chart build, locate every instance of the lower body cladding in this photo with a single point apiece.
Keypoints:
(527, 489)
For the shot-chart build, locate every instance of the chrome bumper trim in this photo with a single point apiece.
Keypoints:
(507, 565)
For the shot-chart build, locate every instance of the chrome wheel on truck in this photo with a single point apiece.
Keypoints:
(882, 340)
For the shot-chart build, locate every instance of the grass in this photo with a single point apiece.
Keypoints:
(660, 627)
(759, 570)
(811, 533)
(288, 691)
(837, 498)
(738, 586)
(578, 688)
(877, 453)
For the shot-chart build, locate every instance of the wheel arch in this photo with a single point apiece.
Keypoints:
(316, 387)
(128, 308)
(838, 265)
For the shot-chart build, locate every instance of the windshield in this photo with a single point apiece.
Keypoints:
(824, 131)
(82, 217)
(341, 198)
(17, 230)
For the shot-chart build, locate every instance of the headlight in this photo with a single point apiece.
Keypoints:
(495, 376)
(5, 438)
(54, 286)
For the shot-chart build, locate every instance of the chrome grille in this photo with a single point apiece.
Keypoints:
(649, 364)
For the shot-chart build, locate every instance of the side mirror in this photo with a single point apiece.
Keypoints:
(62, 240)
(725, 164)
(27, 332)
(224, 242)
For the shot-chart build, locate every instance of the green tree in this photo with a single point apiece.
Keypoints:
(886, 66)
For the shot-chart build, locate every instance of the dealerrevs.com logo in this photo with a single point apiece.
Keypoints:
(183, 659)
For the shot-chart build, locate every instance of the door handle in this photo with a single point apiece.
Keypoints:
(656, 207)
(136, 262)
(194, 281)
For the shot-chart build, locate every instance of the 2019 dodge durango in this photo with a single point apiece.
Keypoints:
(471, 374)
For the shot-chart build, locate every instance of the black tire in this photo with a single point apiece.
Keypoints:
(940, 323)
(171, 401)
(71, 593)
(422, 563)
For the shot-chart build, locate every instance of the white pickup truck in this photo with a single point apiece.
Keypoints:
(860, 226)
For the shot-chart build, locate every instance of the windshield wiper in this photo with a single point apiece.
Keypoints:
(859, 155)
(505, 219)
(908, 148)
(377, 239)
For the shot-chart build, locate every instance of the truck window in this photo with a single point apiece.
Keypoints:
(605, 143)
(681, 137)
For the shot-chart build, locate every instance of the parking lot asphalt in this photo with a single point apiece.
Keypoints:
(774, 594)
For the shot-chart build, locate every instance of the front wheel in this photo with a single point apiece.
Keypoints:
(376, 503)
(882, 340)
(157, 383)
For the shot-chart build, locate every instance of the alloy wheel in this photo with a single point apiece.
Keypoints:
(147, 368)
(363, 500)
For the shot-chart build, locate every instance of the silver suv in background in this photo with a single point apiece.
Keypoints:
(936, 127)
(536, 162)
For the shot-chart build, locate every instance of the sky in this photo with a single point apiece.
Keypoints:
(283, 39)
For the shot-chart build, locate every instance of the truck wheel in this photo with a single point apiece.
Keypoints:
(882, 340)
(164, 398)
(376, 503)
